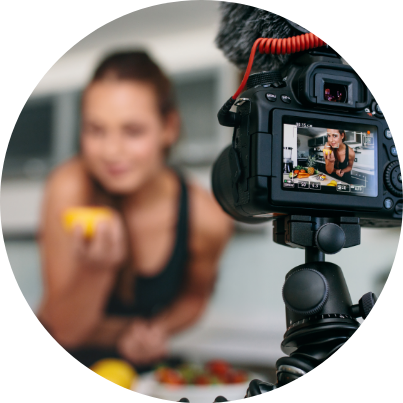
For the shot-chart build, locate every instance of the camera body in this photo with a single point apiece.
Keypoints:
(284, 125)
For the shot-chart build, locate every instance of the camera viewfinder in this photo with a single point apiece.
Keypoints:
(334, 92)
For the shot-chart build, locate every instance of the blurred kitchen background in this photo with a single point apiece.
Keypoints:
(245, 320)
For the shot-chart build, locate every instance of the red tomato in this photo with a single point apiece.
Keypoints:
(218, 367)
(161, 374)
(238, 376)
(296, 171)
(202, 380)
(175, 379)
(170, 376)
(225, 378)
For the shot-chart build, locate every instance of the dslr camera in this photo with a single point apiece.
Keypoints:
(284, 157)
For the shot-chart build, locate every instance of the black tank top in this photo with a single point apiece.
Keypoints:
(151, 294)
(341, 165)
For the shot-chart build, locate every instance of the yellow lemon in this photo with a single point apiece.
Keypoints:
(327, 151)
(116, 371)
(86, 217)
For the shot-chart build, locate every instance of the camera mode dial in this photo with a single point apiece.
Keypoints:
(393, 178)
(266, 79)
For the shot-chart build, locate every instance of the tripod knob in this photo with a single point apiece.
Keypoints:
(330, 238)
(364, 306)
(305, 291)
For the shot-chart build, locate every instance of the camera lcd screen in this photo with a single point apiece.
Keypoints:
(333, 158)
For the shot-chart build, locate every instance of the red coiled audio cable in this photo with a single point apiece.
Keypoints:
(279, 47)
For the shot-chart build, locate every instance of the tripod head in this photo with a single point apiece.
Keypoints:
(319, 236)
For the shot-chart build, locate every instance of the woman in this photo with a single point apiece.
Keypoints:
(148, 272)
(341, 158)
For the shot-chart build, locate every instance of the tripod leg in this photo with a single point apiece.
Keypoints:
(291, 368)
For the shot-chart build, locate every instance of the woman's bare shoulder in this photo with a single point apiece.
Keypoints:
(209, 223)
(69, 182)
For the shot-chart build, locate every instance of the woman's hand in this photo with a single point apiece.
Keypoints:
(330, 157)
(339, 172)
(106, 249)
(329, 161)
(143, 342)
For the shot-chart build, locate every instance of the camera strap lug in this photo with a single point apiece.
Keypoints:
(241, 101)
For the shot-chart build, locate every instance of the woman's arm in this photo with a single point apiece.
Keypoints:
(199, 284)
(107, 332)
(329, 160)
(78, 274)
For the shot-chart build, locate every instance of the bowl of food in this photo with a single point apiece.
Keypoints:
(199, 383)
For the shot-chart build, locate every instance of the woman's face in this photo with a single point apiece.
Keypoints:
(123, 135)
(334, 138)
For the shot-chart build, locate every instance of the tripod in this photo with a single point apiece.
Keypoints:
(320, 316)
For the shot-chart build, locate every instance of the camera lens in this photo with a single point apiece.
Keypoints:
(223, 192)
(222, 183)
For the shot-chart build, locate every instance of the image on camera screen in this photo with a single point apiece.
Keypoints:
(335, 92)
(329, 158)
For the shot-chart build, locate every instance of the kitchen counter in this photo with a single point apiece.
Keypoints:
(312, 178)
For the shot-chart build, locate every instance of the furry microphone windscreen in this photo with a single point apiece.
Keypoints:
(241, 25)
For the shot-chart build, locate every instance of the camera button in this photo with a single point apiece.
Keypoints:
(286, 99)
(388, 134)
(399, 208)
(393, 151)
(388, 203)
(376, 109)
(271, 97)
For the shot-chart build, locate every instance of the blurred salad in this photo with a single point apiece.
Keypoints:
(213, 373)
